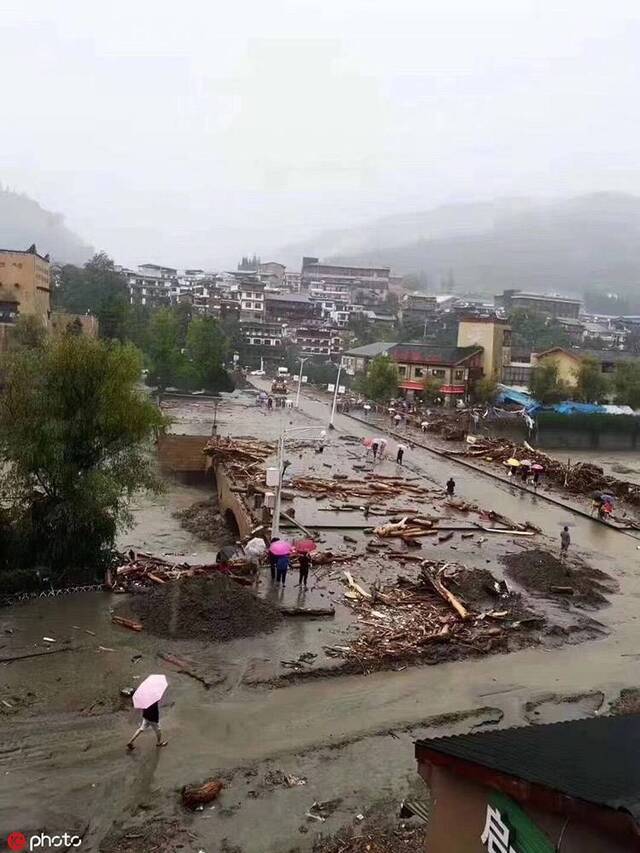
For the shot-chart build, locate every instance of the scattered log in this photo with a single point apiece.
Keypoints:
(356, 586)
(198, 795)
(441, 589)
(127, 623)
(307, 611)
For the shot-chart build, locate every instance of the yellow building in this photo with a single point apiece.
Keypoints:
(568, 363)
(61, 321)
(24, 285)
(494, 336)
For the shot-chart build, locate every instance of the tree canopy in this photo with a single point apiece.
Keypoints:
(96, 288)
(73, 433)
(592, 386)
(626, 382)
(381, 380)
(535, 332)
(545, 383)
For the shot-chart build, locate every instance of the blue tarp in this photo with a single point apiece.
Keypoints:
(571, 408)
(519, 398)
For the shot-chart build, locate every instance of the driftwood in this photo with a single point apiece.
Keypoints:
(128, 623)
(356, 586)
(307, 611)
(38, 654)
(197, 795)
(445, 593)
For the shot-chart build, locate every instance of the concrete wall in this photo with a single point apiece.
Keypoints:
(233, 502)
(182, 453)
(459, 810)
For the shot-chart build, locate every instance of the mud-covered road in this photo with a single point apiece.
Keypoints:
(62, 757)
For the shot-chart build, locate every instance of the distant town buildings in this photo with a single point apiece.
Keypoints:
(25, 285)
(553, 306)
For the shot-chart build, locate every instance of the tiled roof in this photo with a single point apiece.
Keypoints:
(431, 354)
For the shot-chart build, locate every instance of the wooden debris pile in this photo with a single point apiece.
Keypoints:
(145, 570)
(243, 456)
(373, 487)
(580, 478)
(427, 619)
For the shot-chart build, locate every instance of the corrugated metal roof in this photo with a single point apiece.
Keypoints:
(595, 760)
(370, 350)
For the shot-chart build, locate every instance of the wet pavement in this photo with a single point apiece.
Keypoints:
(62, 755)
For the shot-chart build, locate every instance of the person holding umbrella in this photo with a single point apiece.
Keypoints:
(537, 471)
(304, 548)
(147, 698)
(281, 551)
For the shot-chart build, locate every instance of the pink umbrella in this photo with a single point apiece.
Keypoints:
(151, 690)
(305, 546)
(367, 442)
(537, 467)
(281, 548)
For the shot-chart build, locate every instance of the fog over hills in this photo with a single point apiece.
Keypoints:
(23, 222)
(569, 245)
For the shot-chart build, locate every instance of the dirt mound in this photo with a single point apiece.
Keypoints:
(203, 519)
(540, 571)
(214, 607)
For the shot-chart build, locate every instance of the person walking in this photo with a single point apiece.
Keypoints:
(565, 541)
(273, 560)
(374, 450)
(150, 720)
(451, 486)
(400, 453)
(282, 567)
(304, 564)
(536, 479)
(396, 420)
(270, 403)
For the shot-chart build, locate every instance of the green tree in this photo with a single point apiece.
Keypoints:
(162, 348)
(626, 382)
(381, 381)
(184, 315)
(431, 388)
(205, 351)
(535, 332)
(545, 383)
(591, 384)
(73, 436)
(485, 389)
(99, 289)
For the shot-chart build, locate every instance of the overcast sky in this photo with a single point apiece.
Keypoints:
(189, 133)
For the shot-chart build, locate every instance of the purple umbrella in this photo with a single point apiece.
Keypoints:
(151, 690)
(281, 548)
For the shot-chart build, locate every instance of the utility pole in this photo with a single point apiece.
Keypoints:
(335, 396)
(302, 361)
(275, 523)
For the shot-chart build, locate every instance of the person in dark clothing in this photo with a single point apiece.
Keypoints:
(451, 486)
(524, 473)
(536, 479)
(273, 560)
(400, 453)
(304, 562)
(270, 403)
(565, 541)
(282, 567)
(150, 720)
(374, 449)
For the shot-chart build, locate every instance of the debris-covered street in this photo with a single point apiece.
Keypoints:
(425, 614)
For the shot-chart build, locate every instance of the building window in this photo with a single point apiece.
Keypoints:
(418, 372)
(402, 371)
(437, 371)
(459, 375)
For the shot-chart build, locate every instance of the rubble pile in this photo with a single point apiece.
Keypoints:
(203, 519)
(541, 572)
(139, 571)
(212, 607)
(427, 619)
(580, 478)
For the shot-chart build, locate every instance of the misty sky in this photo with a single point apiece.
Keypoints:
(189, 133)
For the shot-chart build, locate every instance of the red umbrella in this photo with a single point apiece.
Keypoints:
(305, 546)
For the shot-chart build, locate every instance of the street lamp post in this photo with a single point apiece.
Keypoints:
(302, 361)
(335, 396)
(275, 523)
